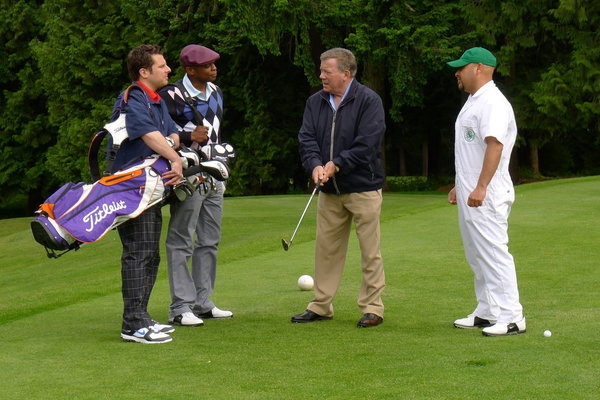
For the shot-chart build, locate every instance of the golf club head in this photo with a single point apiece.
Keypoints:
(286, 245)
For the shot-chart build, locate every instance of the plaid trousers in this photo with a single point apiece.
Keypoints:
(139, 265)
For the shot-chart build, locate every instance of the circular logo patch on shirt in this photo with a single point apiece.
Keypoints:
(469, 135)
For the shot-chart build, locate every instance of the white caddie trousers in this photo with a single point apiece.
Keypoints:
(484, 229)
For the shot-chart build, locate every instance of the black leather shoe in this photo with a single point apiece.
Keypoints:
(309, 316)
(369, 320)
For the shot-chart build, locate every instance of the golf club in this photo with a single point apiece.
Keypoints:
(287, 244)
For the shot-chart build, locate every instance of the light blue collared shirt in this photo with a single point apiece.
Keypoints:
(343, 97)
(195, 92)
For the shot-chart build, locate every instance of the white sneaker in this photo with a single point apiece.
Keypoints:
(187, 319)
(504, 329)
(163, 328)
(472, 322)
(145, 335)
(216, 313)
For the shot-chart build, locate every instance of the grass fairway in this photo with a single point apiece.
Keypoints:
(60, 319)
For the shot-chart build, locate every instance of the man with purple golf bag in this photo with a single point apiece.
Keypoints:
(142, 171)
(148, 125)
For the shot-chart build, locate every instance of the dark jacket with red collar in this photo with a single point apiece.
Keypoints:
(351, 137)
(146, 113)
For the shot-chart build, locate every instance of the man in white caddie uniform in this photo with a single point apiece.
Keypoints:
(485, 132)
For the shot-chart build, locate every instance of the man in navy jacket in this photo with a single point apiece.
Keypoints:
(340, 146)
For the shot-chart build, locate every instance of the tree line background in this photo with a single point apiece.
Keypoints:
(63, 64)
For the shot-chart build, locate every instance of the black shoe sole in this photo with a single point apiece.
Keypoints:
(189, 326)
(504, 334)
(302, 321)
(363, 325)
(367, 326)
(180, 324)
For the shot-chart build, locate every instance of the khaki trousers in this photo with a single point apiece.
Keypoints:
(335, 214)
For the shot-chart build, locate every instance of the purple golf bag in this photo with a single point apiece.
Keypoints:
(83, 213)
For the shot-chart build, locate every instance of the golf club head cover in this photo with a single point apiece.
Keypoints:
(221, 152)
(215, 168)
(189, 157)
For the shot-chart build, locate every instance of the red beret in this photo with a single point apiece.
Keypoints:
(193, 55)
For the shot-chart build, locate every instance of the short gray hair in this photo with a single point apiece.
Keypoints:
(345, 59)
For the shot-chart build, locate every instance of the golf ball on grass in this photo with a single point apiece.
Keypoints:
(305, 282)
(547, 333)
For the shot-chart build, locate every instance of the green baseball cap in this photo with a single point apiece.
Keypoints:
(477, 55)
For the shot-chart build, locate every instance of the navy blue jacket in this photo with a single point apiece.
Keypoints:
(353, 143)
(143, 116)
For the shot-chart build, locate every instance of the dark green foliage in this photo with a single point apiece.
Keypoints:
(417, 184)
(265, 133)
(550, 67)
(407, 183)
(25, 132)
(64, 63)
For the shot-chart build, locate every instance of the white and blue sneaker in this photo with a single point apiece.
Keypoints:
(145, 335)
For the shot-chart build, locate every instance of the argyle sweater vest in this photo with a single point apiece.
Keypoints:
(211, 111)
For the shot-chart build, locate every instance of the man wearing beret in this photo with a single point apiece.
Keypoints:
(201, 213)
(485, 132)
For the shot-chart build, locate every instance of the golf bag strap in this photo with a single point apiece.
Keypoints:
(93, 151)
(190, 101)
(96, 143)
(126, 94)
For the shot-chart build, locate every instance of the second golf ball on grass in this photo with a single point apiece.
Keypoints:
(305, 282)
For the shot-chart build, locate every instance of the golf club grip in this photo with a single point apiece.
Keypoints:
(193, 170)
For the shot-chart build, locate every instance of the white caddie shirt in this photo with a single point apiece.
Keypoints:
(487, 113)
